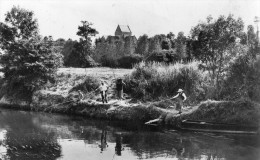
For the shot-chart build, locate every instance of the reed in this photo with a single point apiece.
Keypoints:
(154, 80)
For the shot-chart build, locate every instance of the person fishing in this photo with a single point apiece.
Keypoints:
(103, 91)
(119, 88)
(180, 97)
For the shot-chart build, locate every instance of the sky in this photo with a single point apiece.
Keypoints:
(61, 18)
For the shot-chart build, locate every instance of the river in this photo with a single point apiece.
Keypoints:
(32, 136)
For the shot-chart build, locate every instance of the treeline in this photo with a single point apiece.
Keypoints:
(116, 52)
(205, 42)
(228, 55)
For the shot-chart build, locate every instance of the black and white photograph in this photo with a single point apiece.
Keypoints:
(129, 80)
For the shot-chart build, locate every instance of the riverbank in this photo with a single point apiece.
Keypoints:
(62, 97)
(237, 112)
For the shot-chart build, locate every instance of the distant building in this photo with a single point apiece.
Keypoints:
(123, 31)
(123, 41)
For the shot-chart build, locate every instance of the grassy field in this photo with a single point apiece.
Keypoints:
(100, 72)
(70, 77)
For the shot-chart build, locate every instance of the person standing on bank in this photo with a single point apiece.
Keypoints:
(81, 95)
(119, 88)
(103, 91)
(181, 97)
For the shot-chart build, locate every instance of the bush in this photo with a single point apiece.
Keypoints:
(109, 61)
(167, 56)
(243, 79)
(128, 61)
(153, 80)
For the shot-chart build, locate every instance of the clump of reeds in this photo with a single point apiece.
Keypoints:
(89, 84)
(153, 80)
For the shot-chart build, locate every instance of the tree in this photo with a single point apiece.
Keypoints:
(67, 49)
(86, 32)
(28, 61)
(252, 41)
(213, 42)
(81, 52)
(181, 45)
(165, 44)
(155, 44)
(171, 37)
(142, 45)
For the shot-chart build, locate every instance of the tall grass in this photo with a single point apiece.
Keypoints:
(154, 80)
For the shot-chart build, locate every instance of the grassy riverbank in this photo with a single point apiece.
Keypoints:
(61, 97)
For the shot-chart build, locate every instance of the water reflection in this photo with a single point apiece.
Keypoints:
(103, 142)
(119, 147)
(27, 135)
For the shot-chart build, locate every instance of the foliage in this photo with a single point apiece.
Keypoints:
(77, 54)
(28, 61)
(165, 45)
(142, 45)
(181, 45)
(213, 43)
(242, 112)
(243, 79)
(78, 58)
(167, 56)
(154, 80)
(67, 49)
(128, 61)
(89, 84)
(154, 44)
(109, 51)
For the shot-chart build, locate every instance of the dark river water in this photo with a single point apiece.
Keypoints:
(30, 135)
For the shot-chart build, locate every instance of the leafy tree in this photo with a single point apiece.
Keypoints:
(181, 45)
(212, 43)
(28, 61)
(80, 55)
(155, 44)
(166, 44)
(86, 32)
(67, 49)
(252, 41)
(142, 45)
(171, 37)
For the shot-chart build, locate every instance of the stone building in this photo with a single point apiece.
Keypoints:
(123, 42)
(123, 31)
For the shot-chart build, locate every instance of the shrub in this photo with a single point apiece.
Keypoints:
(167, 56)
(109, 61)
(243, 79)
(128, 61)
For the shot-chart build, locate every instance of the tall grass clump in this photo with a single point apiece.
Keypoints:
(154, 80)
(89, 84)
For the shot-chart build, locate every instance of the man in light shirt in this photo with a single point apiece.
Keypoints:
(103, 91)
(181, 97)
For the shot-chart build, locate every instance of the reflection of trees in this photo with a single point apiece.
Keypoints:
(33, 136)
(180, 145)
(25, 140)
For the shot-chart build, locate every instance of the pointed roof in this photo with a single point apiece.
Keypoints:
(124, 28)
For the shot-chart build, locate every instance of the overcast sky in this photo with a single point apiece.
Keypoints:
(60, 18)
